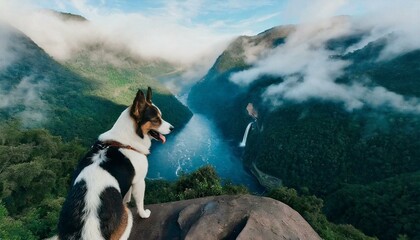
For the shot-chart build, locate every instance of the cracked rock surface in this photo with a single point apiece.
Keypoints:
(222, 217)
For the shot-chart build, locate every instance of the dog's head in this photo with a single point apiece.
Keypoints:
(148, 118)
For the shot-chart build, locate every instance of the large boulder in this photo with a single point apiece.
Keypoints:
(222, 217)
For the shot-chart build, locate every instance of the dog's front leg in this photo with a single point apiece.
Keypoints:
(138, 193)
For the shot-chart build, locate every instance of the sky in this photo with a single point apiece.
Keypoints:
(229, 16)
(191, 34)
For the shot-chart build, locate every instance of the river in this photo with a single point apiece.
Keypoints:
(199, 143)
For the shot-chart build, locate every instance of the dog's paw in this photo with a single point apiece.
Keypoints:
(144, 213)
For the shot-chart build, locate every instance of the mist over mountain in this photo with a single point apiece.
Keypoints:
(78, 99)
(336, 103)
(190, 51)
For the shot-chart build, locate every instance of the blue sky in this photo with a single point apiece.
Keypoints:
(235, 16)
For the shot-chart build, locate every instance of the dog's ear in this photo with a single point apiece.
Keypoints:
(139, 103)
(149, 95)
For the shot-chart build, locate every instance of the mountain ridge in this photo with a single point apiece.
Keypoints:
(319, 145)
(67, 105)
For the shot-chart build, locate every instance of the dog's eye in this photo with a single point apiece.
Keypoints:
(155, 121)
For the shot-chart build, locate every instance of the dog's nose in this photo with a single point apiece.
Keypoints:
(171, 128)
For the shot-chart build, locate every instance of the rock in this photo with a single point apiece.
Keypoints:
(223, 217)
(252, 111)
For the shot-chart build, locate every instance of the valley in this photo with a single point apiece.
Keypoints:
(198, 144)
(315, 116)
(324, 143)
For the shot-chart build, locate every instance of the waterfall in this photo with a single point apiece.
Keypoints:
(243, 143)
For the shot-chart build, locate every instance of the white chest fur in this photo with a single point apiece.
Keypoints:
(139, 162)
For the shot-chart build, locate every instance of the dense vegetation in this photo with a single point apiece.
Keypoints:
(320, 148)
(201, 183)
(393, 203)
(310, 207)
(341, 147)
(36, 171)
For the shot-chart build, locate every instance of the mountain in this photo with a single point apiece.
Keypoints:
(71, 100)
(318, 145)
(215, 93)
(66, 16)
(117, 76)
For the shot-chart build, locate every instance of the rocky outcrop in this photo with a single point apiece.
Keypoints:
(252, 111)
(222, 217)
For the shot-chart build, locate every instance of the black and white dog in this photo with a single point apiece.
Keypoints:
(94, 208)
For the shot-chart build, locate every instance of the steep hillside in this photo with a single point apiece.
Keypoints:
(117, 75)
(318, 145)
(215, 93)
(40, 92)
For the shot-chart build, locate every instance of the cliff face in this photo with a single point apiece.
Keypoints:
(320, 145)
(222, 217)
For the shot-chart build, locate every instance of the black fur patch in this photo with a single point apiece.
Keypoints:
(71, 219)
(142, 111)
(150, 114)
(110, 212)
(86, 160)
(120, 168)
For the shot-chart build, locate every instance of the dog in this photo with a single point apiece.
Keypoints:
(94, 208)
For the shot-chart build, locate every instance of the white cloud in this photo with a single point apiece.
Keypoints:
(302, 53)
(27, 93)
(354, 96)
(22, 99)
(167, 35)
(309, 70)
(6, 55)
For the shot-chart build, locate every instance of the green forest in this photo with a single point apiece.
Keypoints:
(35, 173)
(363, 163)
(367, 177)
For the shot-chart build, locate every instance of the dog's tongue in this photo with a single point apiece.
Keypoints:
(162, 138)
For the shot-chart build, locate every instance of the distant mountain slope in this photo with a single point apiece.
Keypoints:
(318, 145)
(215, 93)
(116, 75)
(41, 92)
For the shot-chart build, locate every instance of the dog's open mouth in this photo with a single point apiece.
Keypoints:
(157, 135)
